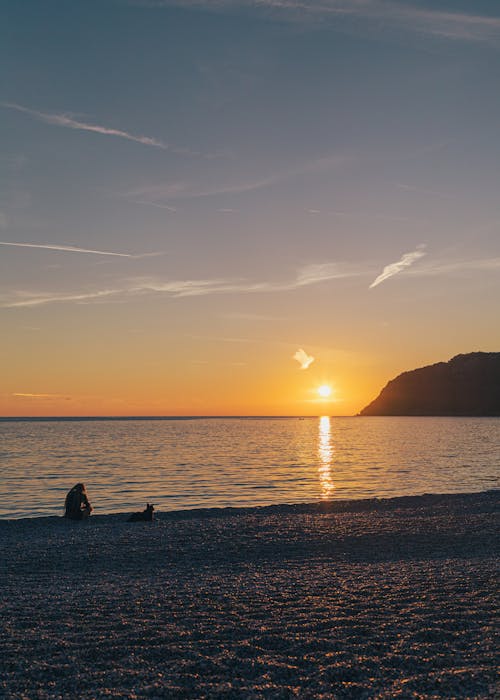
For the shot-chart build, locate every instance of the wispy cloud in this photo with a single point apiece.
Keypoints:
(307, 276)
(323, 272)
(452, 267)
(396, 15)
(450, 25)
(75, 249)
(27, 299)
(151, 194)
(152, 204)
(67, 121)
(397, 267)
(157, 194)
(40, 396)
(303, 358)
(424, 190)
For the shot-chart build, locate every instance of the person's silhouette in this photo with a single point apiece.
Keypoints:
(77, 505)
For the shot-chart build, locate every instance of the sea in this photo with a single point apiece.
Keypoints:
(186, 463)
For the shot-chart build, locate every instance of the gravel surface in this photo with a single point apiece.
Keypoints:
(392, 598)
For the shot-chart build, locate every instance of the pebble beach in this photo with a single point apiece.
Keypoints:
(377, 598)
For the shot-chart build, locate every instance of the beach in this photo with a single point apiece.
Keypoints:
(377, 598)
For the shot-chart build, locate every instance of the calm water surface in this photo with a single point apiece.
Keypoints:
(241, 462)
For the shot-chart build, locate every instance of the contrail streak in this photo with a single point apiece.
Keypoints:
(68, 122)
(68, 249)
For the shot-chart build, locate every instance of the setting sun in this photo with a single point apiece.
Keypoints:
(324, 391)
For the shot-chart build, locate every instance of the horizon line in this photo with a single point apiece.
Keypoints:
(168, 417)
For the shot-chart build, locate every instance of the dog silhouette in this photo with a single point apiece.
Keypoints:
(146, 515)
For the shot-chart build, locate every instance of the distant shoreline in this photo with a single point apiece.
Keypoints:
(75, 419)
(34, 419)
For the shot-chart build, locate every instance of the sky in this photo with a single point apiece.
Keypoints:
(214, 207)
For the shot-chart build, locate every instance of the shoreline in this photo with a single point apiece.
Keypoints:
(319, 507)
(375, 598)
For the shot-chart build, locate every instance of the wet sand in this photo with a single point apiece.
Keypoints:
(383, 598)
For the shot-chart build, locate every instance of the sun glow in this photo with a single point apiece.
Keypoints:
(324, 391)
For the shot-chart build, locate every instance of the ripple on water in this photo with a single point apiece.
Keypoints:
(216, 462)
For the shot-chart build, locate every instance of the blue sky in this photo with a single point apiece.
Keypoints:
(306, 174)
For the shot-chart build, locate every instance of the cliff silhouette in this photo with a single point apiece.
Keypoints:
(467, 385)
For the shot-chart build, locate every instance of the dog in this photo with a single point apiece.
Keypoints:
(146, 515)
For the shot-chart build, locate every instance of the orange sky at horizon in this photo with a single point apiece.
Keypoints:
(120, 360)
(56, 389)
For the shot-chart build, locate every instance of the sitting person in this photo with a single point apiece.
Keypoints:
(77, 504)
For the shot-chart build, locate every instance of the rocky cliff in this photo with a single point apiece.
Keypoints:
(467, 385)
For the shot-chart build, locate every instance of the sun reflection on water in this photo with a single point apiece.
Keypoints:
(325, 451)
